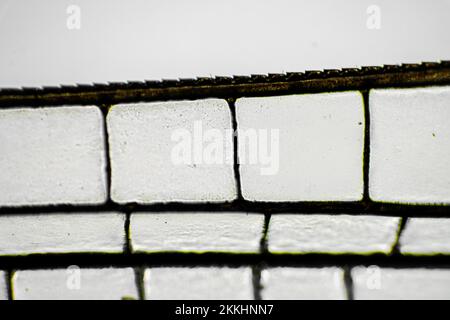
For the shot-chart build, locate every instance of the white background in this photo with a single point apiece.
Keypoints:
(141, 39)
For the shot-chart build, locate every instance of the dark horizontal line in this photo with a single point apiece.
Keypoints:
(333, 208)
(54, 261)
(405, 75)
